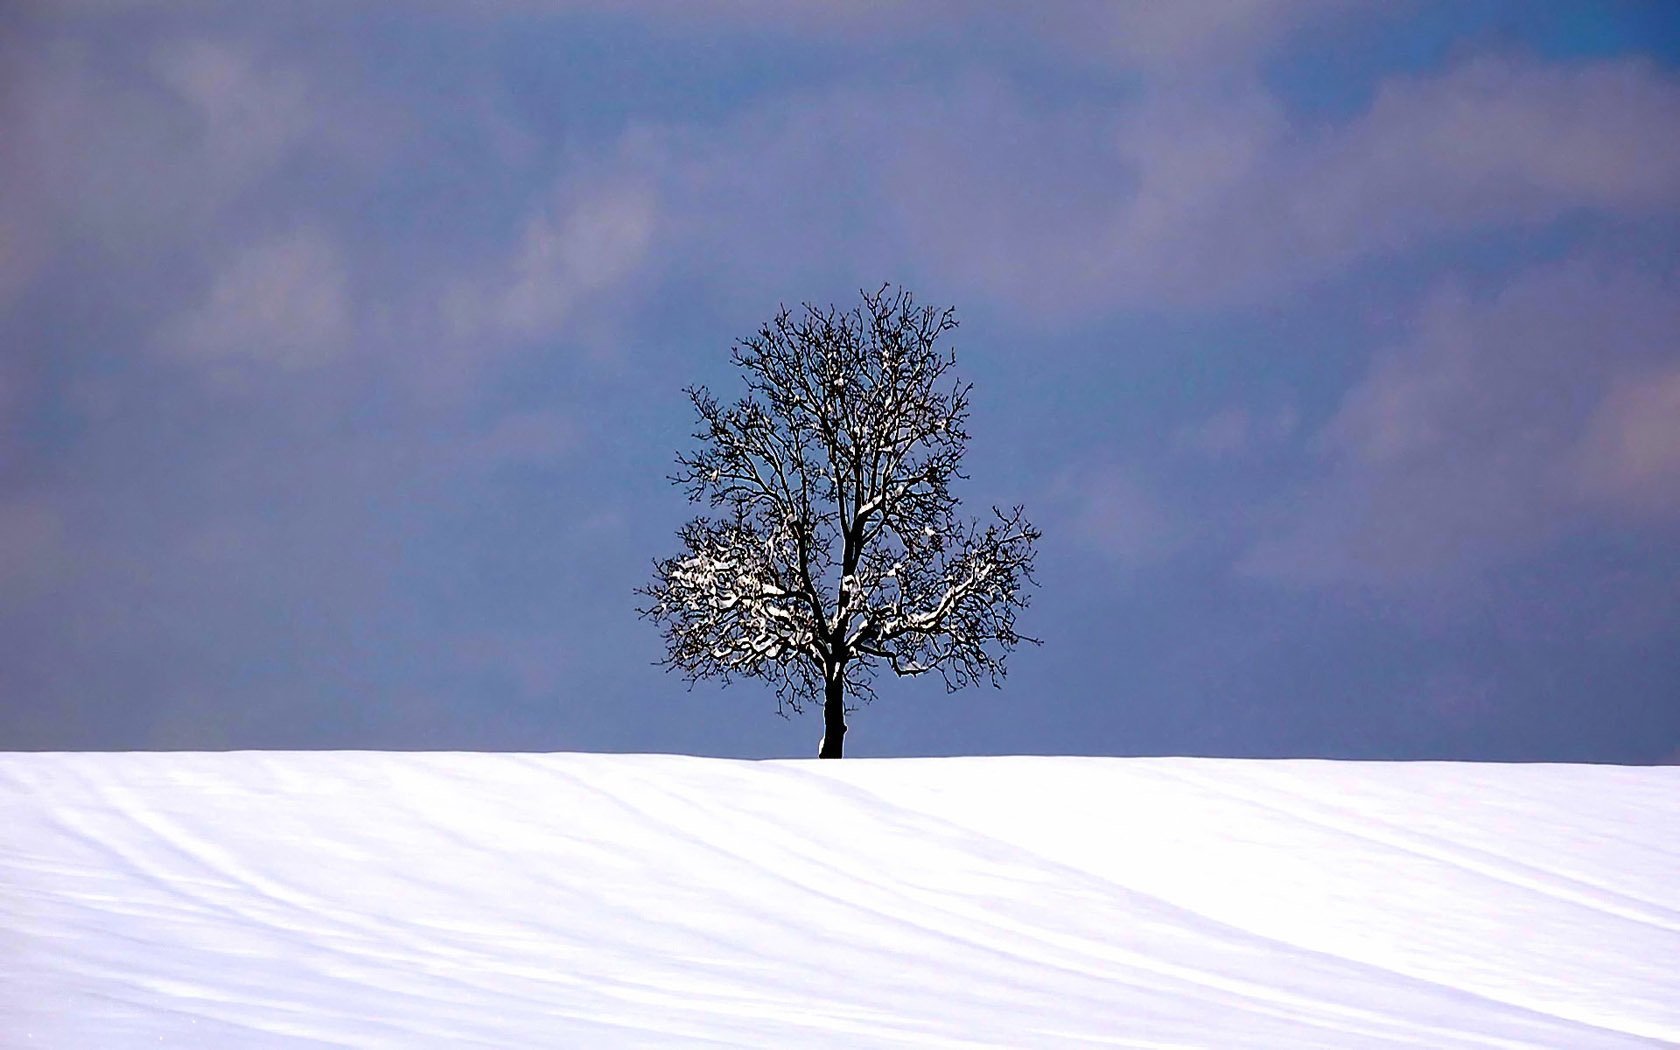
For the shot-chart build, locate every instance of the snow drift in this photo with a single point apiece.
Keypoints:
(405, 900)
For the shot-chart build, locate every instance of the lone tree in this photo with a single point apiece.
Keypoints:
(837, 548)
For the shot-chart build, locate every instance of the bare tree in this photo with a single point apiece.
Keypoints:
(838, 549)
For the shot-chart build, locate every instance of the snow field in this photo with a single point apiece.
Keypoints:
(416, 900)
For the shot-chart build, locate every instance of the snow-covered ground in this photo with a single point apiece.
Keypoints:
(468, 900)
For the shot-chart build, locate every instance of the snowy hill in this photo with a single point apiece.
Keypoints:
(418, 900)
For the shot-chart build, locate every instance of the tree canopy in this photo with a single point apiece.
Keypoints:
(835, 547)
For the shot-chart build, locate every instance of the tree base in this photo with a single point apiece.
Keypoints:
(834, 719)
(832, 745)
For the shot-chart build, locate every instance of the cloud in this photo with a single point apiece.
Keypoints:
(1157, 37)
(1504, 425)
(1194, 197)
(1234, 433)
(245, 116)
(1179, 39)
(575, 247)
(131, 157)
(1110, 510)
(1629, 457)
(582, 243)
(1519, 138)
(145, 162)
(1182, 195)
(283, 302)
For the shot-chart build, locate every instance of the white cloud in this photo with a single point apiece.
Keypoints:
(1155, 36)
(247, 116)
(1193, 38)
(576, 244)
(568, 253)
(1111, 511)
(1505, 424)
(1196, 196)
(1233, 433)
(131, 158)
(1629, 457)
(282, 302)
(1493, 141)
(1184, 195)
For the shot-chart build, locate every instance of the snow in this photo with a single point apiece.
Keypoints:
(472, 900)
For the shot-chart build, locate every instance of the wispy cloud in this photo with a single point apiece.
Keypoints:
(1235, 433)
(1628, 458)
(1191, 199)
(283, 302)
(1191, 40)
(1505, 424)
(580, 241)
(1108, 508)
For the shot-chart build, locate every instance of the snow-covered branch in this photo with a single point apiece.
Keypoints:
(955, 613)
(729, 607)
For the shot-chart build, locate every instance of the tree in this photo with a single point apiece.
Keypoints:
(838, 549)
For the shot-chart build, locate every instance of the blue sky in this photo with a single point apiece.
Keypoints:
(1335, 349)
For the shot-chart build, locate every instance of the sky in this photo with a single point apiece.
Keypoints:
(1335, 348)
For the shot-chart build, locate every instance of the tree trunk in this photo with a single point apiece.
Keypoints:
(834, 716)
